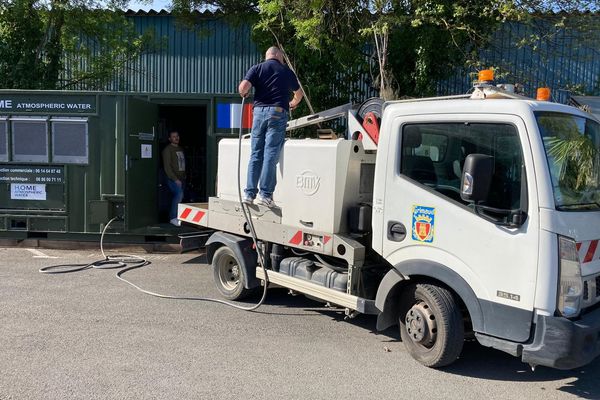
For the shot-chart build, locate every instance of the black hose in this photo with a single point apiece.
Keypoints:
(131, 262)
(109, 262)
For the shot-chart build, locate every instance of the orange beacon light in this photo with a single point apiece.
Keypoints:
(543, 94)
(486, 75)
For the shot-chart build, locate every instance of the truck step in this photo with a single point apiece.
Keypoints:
(317, 291)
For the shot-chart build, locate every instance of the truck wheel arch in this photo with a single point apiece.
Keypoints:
(395, 279)
(242, 247)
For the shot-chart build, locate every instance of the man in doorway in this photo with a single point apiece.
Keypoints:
(273, 82)
(174, 165)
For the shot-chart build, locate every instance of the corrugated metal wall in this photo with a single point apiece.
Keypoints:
(212, 59)
(565, 62)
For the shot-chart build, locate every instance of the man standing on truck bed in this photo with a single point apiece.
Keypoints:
(273, 81)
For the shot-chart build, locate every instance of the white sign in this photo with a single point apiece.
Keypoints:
(27, 191)
(146, 151)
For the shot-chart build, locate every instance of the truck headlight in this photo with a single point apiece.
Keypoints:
(570, 283)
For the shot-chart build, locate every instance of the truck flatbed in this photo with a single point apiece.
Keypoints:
(227, 216)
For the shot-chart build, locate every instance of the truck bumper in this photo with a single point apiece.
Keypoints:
(564, 344)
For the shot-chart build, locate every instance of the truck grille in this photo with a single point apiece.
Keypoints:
(591, 290)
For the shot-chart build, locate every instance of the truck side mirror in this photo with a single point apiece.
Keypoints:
(477, 177)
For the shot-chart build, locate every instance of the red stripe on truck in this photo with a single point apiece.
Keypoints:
(297, 238)
(591, 251)
(185, 213)
(198, 216)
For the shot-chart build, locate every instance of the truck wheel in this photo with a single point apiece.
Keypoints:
(228, 274)
(431, 325)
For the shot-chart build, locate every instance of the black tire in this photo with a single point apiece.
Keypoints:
(229, 275)
(431, 325)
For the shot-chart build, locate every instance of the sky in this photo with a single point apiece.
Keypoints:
(155, 4)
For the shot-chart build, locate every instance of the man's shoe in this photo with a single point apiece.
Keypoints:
(266, 201)
(175, 222)
(248, 200)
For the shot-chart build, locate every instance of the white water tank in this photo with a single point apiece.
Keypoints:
(317, 180)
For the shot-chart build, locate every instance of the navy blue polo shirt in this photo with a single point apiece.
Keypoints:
(272, 83)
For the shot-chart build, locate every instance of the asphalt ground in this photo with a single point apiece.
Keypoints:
(87, 335)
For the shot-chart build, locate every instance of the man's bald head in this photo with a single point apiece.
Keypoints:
(274, 53)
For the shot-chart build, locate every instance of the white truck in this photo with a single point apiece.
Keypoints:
(464, 216)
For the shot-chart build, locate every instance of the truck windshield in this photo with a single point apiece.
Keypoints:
(572, 145)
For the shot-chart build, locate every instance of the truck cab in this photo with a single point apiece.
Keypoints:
(523, 258)
(463, 216)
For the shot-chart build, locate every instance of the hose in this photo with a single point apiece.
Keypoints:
(109, 262)
(330, 266)
(124, 260)
(248, 218)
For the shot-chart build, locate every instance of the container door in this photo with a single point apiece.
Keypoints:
(142, 164)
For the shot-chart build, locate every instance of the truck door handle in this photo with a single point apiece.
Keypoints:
(396, 231)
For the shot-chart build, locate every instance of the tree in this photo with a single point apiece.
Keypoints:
(405, 46)
(413, 43)
(58, 44)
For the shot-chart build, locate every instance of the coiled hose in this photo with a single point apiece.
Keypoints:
(130, 262)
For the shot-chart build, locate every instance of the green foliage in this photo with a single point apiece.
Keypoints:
(60, 43)
(106, 41)
(21, 31)
(573, 151)
(321, 41)
(404, 47)
(409, 45)
(577, 157)
(236, 12)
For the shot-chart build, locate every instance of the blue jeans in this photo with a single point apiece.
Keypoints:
(268, 136)
(177, 192)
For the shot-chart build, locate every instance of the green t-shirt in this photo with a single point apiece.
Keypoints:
(174, 162)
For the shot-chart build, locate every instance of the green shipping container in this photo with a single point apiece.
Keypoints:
(71, 161)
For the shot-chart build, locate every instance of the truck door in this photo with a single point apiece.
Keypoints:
(142, 164)
(424, 217)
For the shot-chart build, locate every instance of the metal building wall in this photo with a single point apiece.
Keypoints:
(211, 59)
(569, 61)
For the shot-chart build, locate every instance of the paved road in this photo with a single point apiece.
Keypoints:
(87, 335)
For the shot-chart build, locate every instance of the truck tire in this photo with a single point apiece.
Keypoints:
(431, 325)
(229, 275)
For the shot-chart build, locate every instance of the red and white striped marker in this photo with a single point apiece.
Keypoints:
(189, 216)
(588, 251)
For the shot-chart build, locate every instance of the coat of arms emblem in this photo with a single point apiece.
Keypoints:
(423, 224)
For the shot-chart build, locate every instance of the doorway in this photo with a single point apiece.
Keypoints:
(190, 121)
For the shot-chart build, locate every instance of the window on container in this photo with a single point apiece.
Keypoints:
(30, 140)
(70, 141)
(3, 140)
